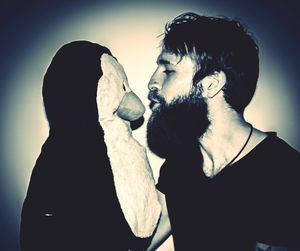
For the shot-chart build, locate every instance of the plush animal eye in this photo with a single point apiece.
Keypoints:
(124, 88)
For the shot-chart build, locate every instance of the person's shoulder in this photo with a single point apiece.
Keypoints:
(281, 146)
(276, 146)
(279, 155)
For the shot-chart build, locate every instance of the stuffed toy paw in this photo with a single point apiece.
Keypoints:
(114, 94)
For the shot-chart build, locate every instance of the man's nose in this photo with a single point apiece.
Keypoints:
(154, 83)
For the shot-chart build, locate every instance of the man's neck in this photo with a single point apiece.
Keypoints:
(226, 136)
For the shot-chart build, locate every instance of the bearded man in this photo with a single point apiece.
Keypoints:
(224, 185)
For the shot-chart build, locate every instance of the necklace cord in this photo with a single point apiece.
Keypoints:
(242, 149)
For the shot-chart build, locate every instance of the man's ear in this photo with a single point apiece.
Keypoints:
(213, 84)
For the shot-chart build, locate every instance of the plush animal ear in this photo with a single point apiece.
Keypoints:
(213, 84)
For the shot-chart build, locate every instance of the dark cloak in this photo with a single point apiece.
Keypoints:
(71, 202)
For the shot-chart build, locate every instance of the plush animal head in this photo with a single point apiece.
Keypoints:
(114, 94)
(70, 86)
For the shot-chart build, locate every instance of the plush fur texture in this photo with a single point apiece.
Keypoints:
(132, 173)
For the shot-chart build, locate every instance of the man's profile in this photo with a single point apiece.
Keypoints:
(224, 185)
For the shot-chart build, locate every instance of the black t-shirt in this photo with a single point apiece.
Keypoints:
(253, 200)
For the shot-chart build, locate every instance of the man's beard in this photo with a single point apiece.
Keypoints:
(175, 126)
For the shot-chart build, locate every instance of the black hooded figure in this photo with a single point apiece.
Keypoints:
(71, 202)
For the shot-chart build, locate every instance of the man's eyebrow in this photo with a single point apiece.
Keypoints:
(162, 61)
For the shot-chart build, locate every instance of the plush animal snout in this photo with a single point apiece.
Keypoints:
(131, 107)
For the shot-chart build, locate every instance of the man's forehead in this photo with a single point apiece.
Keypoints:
(168, 58)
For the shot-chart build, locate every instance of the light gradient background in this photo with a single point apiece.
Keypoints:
(31, 33)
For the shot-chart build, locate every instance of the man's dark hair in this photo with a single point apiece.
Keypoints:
(217, 44)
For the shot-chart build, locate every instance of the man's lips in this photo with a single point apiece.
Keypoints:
(154, 104)
(155, 100)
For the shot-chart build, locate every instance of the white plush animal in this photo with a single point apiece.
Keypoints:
(132, 173)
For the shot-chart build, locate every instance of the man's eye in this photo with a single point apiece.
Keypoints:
(168, 71)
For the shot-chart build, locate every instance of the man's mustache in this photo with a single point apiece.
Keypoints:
(154, 97)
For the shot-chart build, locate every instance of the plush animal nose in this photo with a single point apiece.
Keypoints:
(131, 107)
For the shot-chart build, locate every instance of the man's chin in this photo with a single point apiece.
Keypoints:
(173, 127)
(157, 145)
(165, 144)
